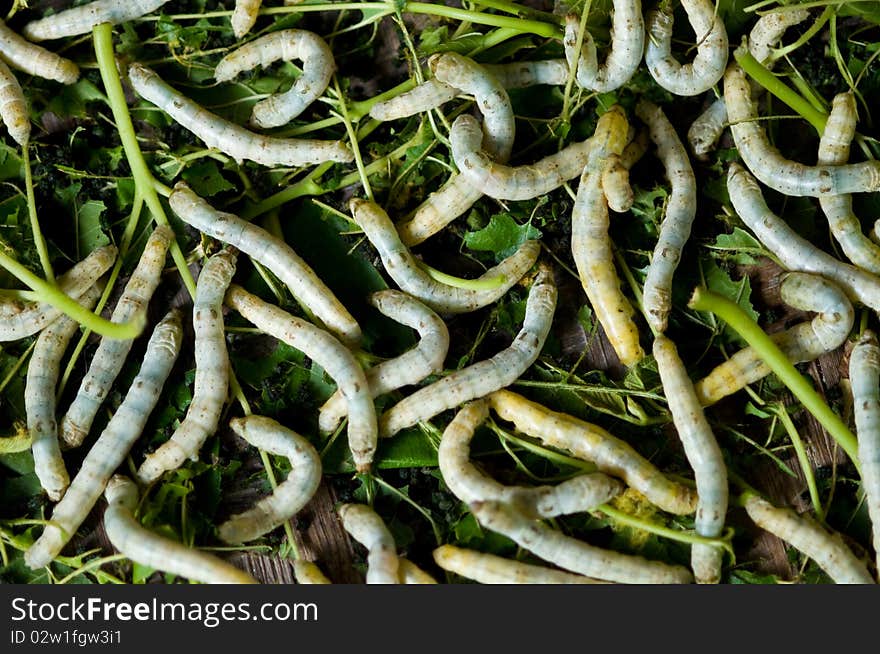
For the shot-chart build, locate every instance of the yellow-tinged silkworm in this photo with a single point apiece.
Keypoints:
(21, 54)
(615, 184)
(290, 495)
(13, 107)
(481, 378)
(329, 353)
(306, 572)
(244, 15)
(81, 19)
(211, 383)
(411, 367)
(491, 569)
(150, 549)
(441, 207)
(234, 140)
(366, 526)
(114, 443)
(410, 573)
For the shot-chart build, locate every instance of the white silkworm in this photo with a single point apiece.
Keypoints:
(318, 67)
(212, 372)
(13, 107)
(624, 57)
(114, 443)
(367, 527)
(150, 549)
(703, 454)
(244, 15)
(234, 140)
(411, 367)
(864, 377)
(329, 353)
(111, 353)
(592, 443)
(827, 549)
(441, 207)
(708, 65)
(81, 20)
(572, 554)
(290, 495)
(492, 569)
(412, 278)
(483, 377)
(704, 132)
(766, 162)
(410, 573)
(39, 398)
(273, 253)
(307, 572)
(793, 251)
(591, 245)
(22, 319)
(681, 209)
(803, 342)
(27, 57)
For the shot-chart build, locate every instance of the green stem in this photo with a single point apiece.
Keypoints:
(804, 461)
(806, 36)
(353, 138)
(539, 28)
(468, 284)
(39, 241)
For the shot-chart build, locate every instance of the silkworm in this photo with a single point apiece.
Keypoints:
(39, 398)
(318, 67)
(329, 353)
(290, 495)
(150, 549)
(469, 484)
(793, 251)
(590, 442)
(366, 527)
(803, 342)
(27, 57)
(615, 184)
(624, 56)
(114, 443)
(483, 377)
(22, 319)
(405, 270)
(81, 20)
(410, 573)
(244, 15)
(441, 207)
(591, 245)
(13, 107)
(704, 132)
(234, 140)
(491, 569)
(708, 65)
(703, 454)
(681, 209)
(273, 253)
(766, 162)
(572, 554)
(411, 367)
(827, 549)
(111, 353)
(307, 572)
(864, 377)
(212, 372)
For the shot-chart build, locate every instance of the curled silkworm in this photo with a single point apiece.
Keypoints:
(234, 140)
(707, 128)
(793, 251)
(405, 270)
(290, 495)
(366, 527)
(244, 16)
(212, 372)
(13, 106)
(33, 59)
(592, 443)
(109, 451)
(411, 367)
(410, 573)
(703, 454)
(111, 353)
(591, 244)
(273, 253)
(572, 554)
(329, 353)
(307, 572)
(492, 569)
(581, 493)
(680, 212)
(22, 319)
(803, 342)
(827, 549)
(39, 398)
(708, 65)
(483, 377)
(143, 546)
(81, 19)
(615, 184)
(318, 67)
(767, 164)
(624, 57)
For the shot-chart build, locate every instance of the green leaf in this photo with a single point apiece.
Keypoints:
(73, 100)
(503, 235)
(206, 179)
(719, 281)
(739, 247)
(88, 220)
